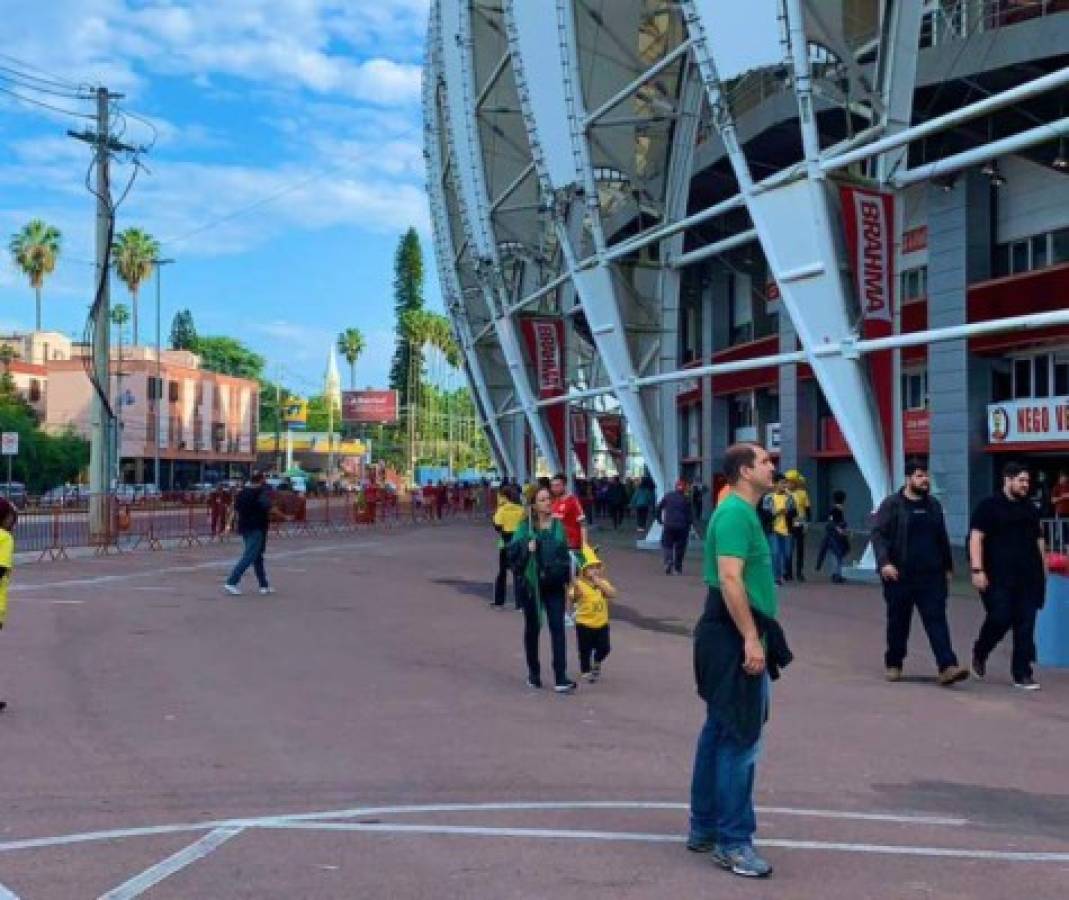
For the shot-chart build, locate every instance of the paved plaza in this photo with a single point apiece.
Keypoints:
(365, 732)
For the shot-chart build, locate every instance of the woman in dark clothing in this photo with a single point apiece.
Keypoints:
(642, 501)
(539, 550)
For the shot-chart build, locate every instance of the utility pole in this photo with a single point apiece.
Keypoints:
(278, 421)
(157, 400)
(102, 463)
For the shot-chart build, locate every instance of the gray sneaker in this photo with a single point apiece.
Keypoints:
(742, 861)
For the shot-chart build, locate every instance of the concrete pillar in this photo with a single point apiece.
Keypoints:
(716, 335)
(959, 253)
(788, 398)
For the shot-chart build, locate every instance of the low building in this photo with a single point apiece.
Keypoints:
(201, 424)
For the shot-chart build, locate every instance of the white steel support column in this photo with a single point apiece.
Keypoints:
(456, 53)
(896, 79)
(547, 79)
(444, 252)
(794, 224)
(680, 170)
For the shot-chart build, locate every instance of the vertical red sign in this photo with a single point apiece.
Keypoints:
(869, 221)
(545, 344)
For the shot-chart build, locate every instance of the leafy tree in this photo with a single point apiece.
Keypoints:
(135, 252)
(44, 460)
(183, 331)
(228, 356)
(351, 346)
(35, 250)
(408, 297)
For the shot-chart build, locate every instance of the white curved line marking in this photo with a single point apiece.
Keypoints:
(6, 894)
(647, 837)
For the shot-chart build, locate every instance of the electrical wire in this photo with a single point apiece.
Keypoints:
(20, 82)
(43, 105)
(53, 78)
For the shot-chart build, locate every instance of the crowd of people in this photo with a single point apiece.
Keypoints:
(754, 543)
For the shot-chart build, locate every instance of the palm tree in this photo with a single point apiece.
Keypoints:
(351, 346)
(136, 252)
(35, 250)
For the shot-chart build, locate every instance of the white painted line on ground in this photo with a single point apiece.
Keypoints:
(195, 567)
(6, 894)
(903, 818)
(647, 837)
(152, 876)
(281, 821)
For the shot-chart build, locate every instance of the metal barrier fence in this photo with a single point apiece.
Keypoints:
(1056, 535)
(153, 524)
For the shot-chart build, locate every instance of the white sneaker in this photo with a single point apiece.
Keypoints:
(232, 589)
(267, 590)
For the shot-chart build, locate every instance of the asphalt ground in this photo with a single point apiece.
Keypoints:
(366, 732)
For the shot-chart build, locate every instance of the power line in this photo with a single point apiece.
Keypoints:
(19, 81)
(53, 78)
(43, 105)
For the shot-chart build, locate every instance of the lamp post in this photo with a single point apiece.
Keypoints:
(158, 399)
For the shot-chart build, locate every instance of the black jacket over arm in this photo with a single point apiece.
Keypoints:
(734, 696)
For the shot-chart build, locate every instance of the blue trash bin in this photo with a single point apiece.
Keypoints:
(1052, 624)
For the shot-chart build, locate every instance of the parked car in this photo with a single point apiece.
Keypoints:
(65, 495)
(137, 493)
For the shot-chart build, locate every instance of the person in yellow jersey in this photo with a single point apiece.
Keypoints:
(510, 513)
(779, 511)
(8, 517)
(590, 593)
(802, 509)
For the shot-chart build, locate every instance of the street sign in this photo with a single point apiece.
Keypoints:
(9, 443)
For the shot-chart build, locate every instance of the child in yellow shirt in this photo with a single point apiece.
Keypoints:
(8, 517)
(590, 594)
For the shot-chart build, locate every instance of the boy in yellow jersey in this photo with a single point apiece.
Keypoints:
(8, 517)
(590, 593)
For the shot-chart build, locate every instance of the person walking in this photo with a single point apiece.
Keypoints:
(642, 502)
(1007, 558)
(507, 519)
(836, 543)
(738, 647)
(9, 515)
(590, 594)
(539, 550)
(616, 499)
(779, 511)
(253, 509)
(569, 511)
(909, 538)
(800, 524)
(218, 509)
(676, 515)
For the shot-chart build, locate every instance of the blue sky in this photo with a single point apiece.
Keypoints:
(316, 101)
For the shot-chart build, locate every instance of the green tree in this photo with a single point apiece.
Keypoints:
(183, 331)
(135, 252)
(44, 460)
(228, 356)
(408, 297)
(351, 346)
(35, 250)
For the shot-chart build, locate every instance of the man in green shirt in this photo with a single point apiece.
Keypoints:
(731, 666)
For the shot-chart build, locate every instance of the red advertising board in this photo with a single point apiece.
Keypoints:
(545, 344)
(869, 221)
(369, 407)
(916, 431)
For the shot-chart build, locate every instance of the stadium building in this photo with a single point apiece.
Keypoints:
(838, 227)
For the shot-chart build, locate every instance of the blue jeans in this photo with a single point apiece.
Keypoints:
(780, 545)
(252, 555)
(721, 790)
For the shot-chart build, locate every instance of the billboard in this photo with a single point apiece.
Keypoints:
(295, 415)
(545, 344)
(369, 407)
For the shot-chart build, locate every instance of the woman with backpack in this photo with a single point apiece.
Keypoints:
(539, 553)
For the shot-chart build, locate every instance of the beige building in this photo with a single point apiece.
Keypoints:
(204, 424)
(39, 348)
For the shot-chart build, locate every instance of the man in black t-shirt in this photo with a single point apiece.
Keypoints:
(1007, 556)
(909, 537)
(253, 510)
